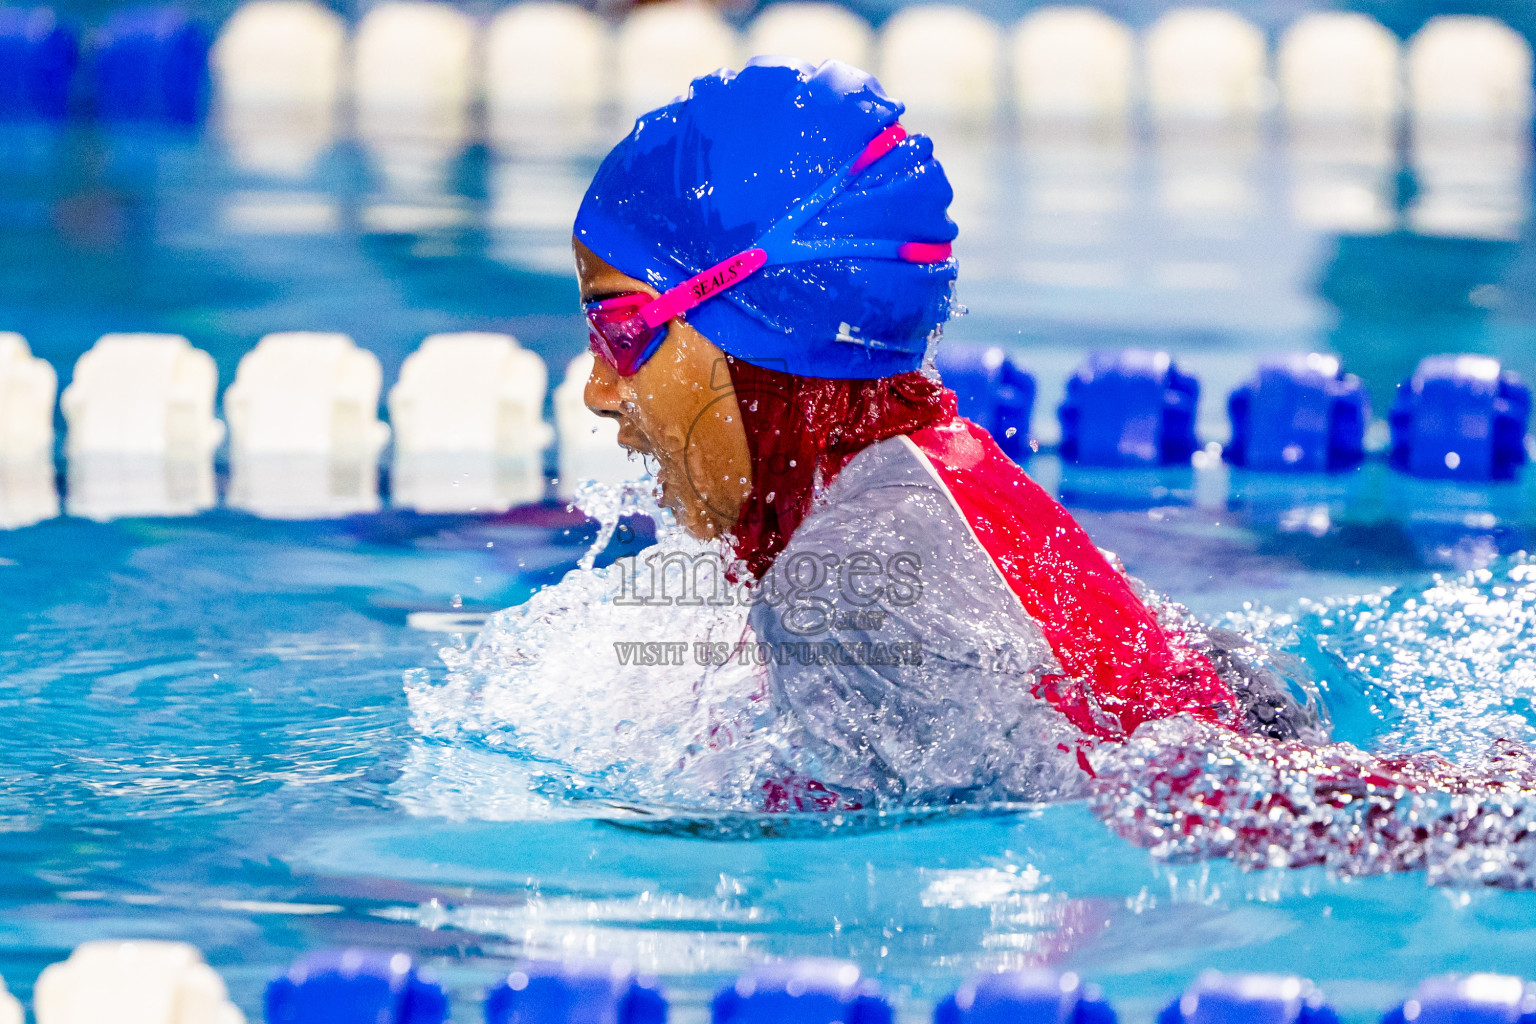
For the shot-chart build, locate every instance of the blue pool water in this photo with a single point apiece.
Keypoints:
(207, 733)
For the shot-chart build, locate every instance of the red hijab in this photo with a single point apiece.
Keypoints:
(802, 431)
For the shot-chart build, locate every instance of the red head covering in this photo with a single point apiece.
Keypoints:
(802, 431)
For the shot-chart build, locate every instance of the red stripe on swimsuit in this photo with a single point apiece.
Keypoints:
(1121, 667)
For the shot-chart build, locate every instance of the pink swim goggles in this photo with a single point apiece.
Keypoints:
(626, 330)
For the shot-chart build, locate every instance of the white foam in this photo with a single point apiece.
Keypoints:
(813, 32)
(140, 982)
(1072, 66)
(944, 62)
(544, 683)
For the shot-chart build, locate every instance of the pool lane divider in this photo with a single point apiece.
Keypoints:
(305, 437)
(355, 985)
(146, 981)
(39, 52)
(157, 982)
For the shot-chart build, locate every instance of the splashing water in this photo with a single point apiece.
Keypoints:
(595, 685)
(610, 503)
(1449, 670)
(543, 716)
(1189, 791)
(603, 692)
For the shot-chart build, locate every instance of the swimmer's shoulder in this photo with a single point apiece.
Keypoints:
(886, 504)
(884, 488)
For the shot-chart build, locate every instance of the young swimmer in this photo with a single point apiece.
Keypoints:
(765, 267)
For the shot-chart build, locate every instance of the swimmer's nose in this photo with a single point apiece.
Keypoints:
(602, 390)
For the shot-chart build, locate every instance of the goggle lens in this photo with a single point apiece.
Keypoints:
(619, 335)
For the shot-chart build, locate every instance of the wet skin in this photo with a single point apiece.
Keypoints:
(679, 408)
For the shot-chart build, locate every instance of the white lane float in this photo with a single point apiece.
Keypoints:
(1072, 68)
(944, 62)
(468, 422)
(1467, 72)
(10, 1007)
(1470, 102)
(1336, 68)
(589, 443)
(660, 47)
(546, 69)
(27, 492)
(305, 435)
(413, 69)
(280, 53)
(280, 70)
(138, 982)
(1205, 70)
(813, 32)
(141, 429)
(27, 389)
(1339, 76)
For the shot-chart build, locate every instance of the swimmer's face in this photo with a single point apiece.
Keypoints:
(679, 408)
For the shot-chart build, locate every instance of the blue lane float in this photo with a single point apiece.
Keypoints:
(809, 991)
(355, 986)
(992, 390)
(1468, 999)
(1217, 998)
(550, 992)
(1130, 407)
(1460, 417)
(1301, 413)
(1025, 997)
(38, 56)
(150, 64)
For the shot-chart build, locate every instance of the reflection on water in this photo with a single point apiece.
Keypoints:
(27, 492)
(303, 486)
(465, 481)
(114, 485)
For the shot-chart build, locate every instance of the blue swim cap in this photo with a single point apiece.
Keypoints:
(705, 177)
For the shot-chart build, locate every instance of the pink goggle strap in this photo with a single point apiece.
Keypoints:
(878, 146)
(677, 301)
